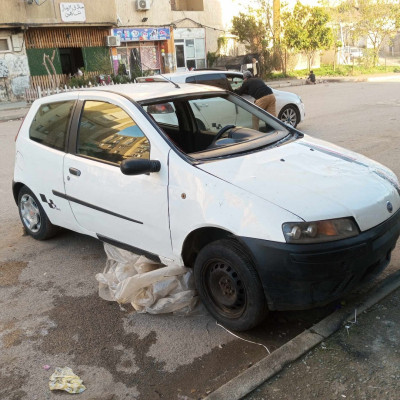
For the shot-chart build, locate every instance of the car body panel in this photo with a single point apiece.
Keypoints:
(305, 174)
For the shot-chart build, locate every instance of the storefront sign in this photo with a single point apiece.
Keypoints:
(142, 34)
(73, 12)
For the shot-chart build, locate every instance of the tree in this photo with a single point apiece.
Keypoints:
(255, 29)
(376, 20)
(306, 30)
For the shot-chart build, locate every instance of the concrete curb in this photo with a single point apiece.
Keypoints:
(269, 366)
(13, 117)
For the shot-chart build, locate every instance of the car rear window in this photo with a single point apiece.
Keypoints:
(50, 125)
(218, 80)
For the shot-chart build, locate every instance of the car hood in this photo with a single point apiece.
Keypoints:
(315, 180)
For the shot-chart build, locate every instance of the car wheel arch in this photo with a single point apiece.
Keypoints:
(17, 186)
(199, 238)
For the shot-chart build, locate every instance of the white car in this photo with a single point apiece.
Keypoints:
(289, 106)
(268, 218)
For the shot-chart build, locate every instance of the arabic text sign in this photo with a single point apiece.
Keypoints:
(73, 12)
(142, 34)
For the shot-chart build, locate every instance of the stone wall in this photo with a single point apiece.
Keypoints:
(14, 69)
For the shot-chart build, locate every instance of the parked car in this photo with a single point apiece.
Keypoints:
(353, 52)
(268, 217)
(289, 106)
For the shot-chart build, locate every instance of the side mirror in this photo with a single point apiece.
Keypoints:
(134, 166)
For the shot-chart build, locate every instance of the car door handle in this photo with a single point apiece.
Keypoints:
(75, 171)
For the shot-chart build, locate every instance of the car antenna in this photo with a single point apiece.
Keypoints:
(169, 80)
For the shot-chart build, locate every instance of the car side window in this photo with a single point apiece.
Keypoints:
(218, 80)
(50, 125)
(108, 133)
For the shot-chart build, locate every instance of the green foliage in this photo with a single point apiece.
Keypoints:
(341, 70)
(121, 79)
(79, 81)
(376, 20)
(222, 42)
(211, 58)
(97, 59)
(255, 30)
(35, 61)
(306, 30)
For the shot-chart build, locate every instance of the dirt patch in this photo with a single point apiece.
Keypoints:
(13, 338)
(10, 272)
(10, 385)
(91, 330)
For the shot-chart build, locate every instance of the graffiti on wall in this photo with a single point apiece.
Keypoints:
(3, 69)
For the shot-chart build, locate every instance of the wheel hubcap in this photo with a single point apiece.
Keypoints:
(289, 116)
(225, 288)
(30, 213)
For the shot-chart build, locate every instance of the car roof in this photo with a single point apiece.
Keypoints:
(140, 91)
(182, 75)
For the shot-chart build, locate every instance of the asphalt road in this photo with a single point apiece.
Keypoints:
(50, 313)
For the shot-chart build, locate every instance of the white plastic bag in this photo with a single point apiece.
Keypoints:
(149, 286)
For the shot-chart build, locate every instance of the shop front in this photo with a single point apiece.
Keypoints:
(143, 51)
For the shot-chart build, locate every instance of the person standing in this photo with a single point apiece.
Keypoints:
(263, 94)
(254, 62)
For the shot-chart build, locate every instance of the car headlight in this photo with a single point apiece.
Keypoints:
(319, 231)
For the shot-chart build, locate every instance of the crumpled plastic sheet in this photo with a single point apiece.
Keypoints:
(148, 286)
(65, 379)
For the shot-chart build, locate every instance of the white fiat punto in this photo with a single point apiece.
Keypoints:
(268, 218)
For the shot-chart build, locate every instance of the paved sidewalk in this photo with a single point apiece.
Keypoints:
(361, 361)
(12, 111)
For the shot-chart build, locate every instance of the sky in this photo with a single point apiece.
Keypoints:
(233, 7)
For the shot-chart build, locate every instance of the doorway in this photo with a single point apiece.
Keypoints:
(71, 59)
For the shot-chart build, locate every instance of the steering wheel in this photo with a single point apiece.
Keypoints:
(221, 132)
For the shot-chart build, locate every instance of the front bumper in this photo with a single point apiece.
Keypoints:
(303, 276)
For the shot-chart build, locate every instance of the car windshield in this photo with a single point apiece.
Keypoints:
(214, 125)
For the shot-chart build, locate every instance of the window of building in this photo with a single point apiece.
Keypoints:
(187, 5)
(190, 53)
(5, 44)
(108, 133)
(50, 124)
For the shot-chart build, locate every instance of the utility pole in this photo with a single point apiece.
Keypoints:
(277, 22)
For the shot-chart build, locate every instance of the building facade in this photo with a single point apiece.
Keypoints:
(46, 42)
(169, 35)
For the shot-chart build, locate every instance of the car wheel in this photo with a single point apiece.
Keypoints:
(290, 115)
(33, 216)
(229, 286)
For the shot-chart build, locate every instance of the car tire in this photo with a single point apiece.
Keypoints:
(290, 115)
(33, 216)
(229, 285)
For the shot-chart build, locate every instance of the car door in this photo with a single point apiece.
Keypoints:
(123, 210)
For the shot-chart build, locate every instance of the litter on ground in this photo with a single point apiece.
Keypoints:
(65, 379)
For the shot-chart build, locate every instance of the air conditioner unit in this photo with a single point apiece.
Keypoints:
(142, 5)
(113, 41)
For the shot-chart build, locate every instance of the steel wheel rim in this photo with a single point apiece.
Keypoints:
(225, 288)
(289, 116)
(30, 213)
